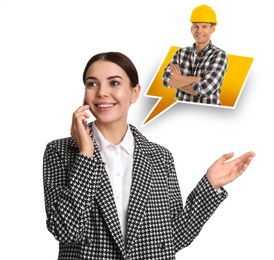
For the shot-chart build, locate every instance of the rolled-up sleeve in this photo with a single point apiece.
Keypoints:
(167, 72)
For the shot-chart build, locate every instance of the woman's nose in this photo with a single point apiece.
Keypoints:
(102, 91)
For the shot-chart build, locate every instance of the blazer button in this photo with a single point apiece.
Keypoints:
(88, 241)
(162, 246)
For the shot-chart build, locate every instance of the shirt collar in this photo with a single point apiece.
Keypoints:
(127, 143)
(205, 49)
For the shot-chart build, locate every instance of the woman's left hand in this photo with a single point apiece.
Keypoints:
(222, 172)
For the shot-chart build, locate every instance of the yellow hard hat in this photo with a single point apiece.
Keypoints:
(203, 14)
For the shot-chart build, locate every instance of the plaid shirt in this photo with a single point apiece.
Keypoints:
(210, 64)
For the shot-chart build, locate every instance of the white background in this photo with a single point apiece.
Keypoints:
(44, 47)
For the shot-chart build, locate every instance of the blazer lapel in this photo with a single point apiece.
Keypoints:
(105, 199)
(140, 189)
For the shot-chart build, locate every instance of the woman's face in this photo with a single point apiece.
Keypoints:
(108, 92)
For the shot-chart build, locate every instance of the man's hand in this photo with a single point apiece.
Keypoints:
(178, 80)
(222, 171)
(175, 69)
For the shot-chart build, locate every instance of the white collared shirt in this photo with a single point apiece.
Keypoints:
(118, 161)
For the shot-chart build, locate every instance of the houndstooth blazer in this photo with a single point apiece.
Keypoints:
(81, 211)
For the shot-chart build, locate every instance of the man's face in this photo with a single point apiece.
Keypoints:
(202, 32)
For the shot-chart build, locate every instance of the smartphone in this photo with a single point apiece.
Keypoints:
(90, 119)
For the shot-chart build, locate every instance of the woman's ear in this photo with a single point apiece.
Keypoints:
(136, 92)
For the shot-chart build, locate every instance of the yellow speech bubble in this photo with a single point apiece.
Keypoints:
(235, 77)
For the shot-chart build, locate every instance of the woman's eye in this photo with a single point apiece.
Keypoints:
(114, 83)
(90, 84)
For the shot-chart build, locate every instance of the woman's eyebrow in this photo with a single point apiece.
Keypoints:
(113, 77)
(94, 78)
(108, 78)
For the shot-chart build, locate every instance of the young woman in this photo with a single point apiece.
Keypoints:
(112, 194)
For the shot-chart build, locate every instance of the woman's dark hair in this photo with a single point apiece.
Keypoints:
(119, 59)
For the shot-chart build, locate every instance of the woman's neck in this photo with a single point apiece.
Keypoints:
(114, 133)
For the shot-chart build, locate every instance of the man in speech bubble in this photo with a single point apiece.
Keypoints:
(197, 71)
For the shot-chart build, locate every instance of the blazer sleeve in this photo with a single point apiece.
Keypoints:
(69, 184)
(188, 221)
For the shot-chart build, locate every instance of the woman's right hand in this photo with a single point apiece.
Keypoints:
(80, 131)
